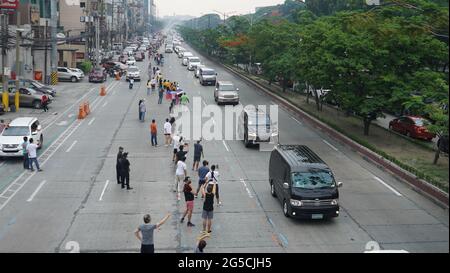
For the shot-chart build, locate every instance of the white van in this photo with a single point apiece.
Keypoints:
(186, 55)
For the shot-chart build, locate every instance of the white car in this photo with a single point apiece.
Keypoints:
(12, 136)
(192, 63)
(133, 72)
(131, 61)
(186, 55)
(169, 49)
(197, 70)
(79, 71)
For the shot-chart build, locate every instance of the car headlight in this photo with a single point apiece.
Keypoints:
(334, 202)
(252, 134)
(296, 203)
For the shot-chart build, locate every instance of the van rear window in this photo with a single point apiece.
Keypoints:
(313, 179)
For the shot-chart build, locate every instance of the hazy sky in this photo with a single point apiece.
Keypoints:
(197, 7)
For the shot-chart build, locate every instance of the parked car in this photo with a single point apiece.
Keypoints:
(28, 97)
(207, 76)
(98, 75)
(133, 72)
(192, 63)
(186, 55)
(412, 126)
(226, 92)
(256, 126)
(65, 74)
(303, 183)
(168, 49)
(38, 86)
(12, 136)
(131, 61)
(79, 71)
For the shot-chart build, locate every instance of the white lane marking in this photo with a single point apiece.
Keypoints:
(90, 122)
(199, 92)
(71, 115)
(214, 122)
(328, 143)
(226, 146)
(246, 188)
(387, 186)
(104, 189)
(71, 146)
(36, 191)
(296, 120)
(43, 163)
(204, 103)
(104, 104)
(3, 163)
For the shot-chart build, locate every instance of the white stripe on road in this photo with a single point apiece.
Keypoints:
(90, 122)
(71, 115)
(329, 144)
(71, 146)
(36, 191)
(246, 188)
(104, 189)
(104, 104)
(226, 146)
(387, 186)
(3, 163)
(204, 103)
(296, 120)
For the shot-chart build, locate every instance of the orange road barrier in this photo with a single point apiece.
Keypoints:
(102, 91)
(81, 112)
(87, 110)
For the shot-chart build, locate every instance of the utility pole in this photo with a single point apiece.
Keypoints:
(5, 98)
(126, 19)
(46, 81)
(97, 41)
(17, 50)
(54, 53)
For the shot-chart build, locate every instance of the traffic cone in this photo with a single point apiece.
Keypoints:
(86, 108)
(81, 112)
(102, 91)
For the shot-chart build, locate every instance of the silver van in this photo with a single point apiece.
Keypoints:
(207, 76)
(226, 92)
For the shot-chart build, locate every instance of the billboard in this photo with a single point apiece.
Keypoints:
(9, 4)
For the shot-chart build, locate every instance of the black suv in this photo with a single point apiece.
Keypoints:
(303, 183)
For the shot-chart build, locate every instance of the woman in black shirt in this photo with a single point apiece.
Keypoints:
(208, 206)
(189, 197)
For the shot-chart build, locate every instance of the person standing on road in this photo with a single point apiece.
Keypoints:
(211, 177)
(177, 141)
(180, 174)
(198, 153)
(26, 161)
(32, 155)
(144, 233)
(149, 87)
(160, 95)
(125, 171)
(184, 100)
(167, 132)
(119, 166)
(142, 110)
(153, 133)
(202, 172)
(208, 206)
(189, 198)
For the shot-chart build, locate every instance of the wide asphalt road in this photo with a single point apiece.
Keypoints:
(77, 199)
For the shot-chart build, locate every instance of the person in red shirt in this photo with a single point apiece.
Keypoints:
(44, 102)
(154, 133)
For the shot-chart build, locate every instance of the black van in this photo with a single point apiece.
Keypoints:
(303, 183)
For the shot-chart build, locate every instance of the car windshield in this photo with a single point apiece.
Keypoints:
(313, 179)
(133, 69)
(194, 60)
(16, 131)
(208, 72)
(227, 87)
(421, 122)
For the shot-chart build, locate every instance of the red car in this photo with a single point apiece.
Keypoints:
(412, 126)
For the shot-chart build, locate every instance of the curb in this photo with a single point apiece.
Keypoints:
(420, 185)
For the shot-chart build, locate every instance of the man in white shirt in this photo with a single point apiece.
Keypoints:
(177, 141)
(180, 173)
(167, 132)
(212, 178)
(32, 155)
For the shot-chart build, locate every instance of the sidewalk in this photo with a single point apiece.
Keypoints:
(408, 153)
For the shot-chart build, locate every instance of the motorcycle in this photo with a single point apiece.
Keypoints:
(131, 83)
